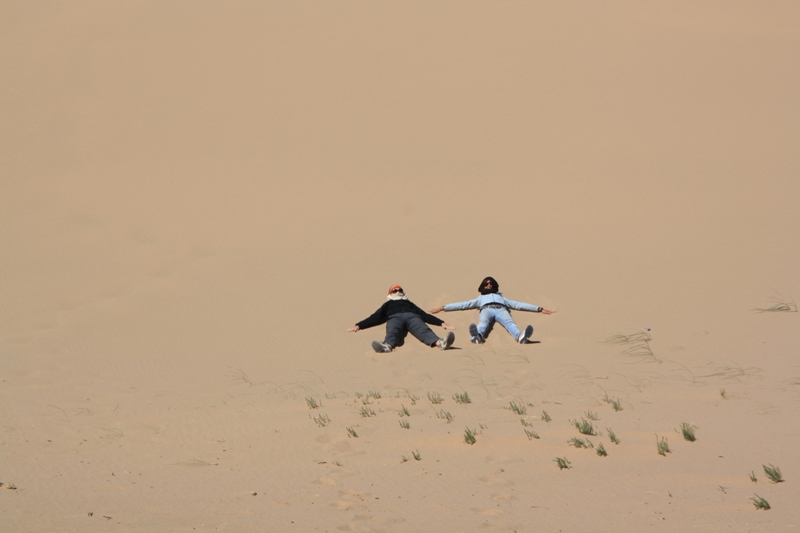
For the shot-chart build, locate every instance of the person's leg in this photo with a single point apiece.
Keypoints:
(486, 322)
(419, 329)
(503, 318)
(396, 330)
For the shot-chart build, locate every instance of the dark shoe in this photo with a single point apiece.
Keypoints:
(525, 335)
(381, 347)
(475, 337)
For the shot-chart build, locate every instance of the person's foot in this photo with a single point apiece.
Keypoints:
(475, 337)
(381, 347)
(447, 342)
(525, 335)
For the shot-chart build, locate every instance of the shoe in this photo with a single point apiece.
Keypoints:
(381, 347)
(475, 337)
(447, 342)
(525, 335)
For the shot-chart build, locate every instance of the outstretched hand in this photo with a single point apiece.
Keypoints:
(445, 325)
(547, 312)
(437, 310)
(354, 329)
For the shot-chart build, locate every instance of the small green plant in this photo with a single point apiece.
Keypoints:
(614, 402)
(518, 408)
(688, 431)
(404, 424)
(780, 305)
(405, 459)
(531, 434)
(546, 417)
(322, 420)
(591, 415)
(435, 398)
(773, 473)
(403, 411)
(413, 399)
(462, 397)
(562, 462)
(612, 436)
(578, 443)
(753, 477)
(584, 427)
(601, 450)
(723, 394)
(663, 446)
(417, 456)
(312, 403)
(352, 433)
(359, 394)
(374, 394)
(444, 415)
(469, 436)
(760, 503)
(366, 412)
(526, 423)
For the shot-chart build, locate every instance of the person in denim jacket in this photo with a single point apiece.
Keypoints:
(494, 307)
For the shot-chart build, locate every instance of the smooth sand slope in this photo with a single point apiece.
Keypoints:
(198, 198)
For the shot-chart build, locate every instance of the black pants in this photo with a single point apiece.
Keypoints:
(399, 325)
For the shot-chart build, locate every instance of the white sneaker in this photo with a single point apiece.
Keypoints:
(525, 335)
(381, 347)
(447, 342)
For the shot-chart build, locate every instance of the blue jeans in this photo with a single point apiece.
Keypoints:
(489, 316)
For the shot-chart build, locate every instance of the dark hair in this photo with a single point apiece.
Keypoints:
(495, 286)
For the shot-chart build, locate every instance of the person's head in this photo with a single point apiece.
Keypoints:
(396, 292)
(489, 285)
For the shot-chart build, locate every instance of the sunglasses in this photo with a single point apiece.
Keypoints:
(396, 290)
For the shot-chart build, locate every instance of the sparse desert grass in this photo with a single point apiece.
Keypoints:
(322, 420)
(591, 415)
(526, 423)
(773, 473)
(779, 305)
(760, 503)
(546, 417)
(531, 434)
(417, 456)
(462, 397)
(404, 458)
(469, 436)
(366, 412)
(584, 427)
(723, 394)
(612, 436)
(404, 411)
(435, 398)
(404, 424)
(578, 443)
(638, 345)
(444, 415)
(562, 462)
(352, 433)
(413, 399)
(601, 450)
(614, 402)
(374, 394)
(753, 477)
(688, 431)
(662, 445)
(312, 403)
(733, 371)
(518, 408)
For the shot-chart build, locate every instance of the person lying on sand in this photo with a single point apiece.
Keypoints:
(401, 316)
(494, 308)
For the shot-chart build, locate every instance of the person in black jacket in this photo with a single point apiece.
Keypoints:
(401, 317)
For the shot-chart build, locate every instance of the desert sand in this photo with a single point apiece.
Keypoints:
(198, 198)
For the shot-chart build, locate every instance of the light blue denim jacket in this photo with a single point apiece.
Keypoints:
(497, 298)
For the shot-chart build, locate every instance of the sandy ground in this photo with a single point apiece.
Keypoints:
(198, 198)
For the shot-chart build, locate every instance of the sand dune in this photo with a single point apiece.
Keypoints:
(197, 199)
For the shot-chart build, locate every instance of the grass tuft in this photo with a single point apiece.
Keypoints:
(773, 473)
(753, 477)
(417, 456)
(612, 436)
(312, 403)
(322, 420)
(663, 446)
(760, 503)
(688, 431)
(562, 462)
(531, 434)
(584, 427)
(518, 408)
(469, 436)
(444, 415)
(601, 450)
(435, 398)
(352, 433)
(366, 412)
(462, 397)
(404, 424)
(546, 417)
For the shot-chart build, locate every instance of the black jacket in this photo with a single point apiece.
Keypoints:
(393, 307)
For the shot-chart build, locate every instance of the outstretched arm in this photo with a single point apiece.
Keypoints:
(354, 329)
(437, 310)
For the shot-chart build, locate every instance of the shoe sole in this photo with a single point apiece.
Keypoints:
(526, 335)
(448, 341)
(378, 347)
(476, 338)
